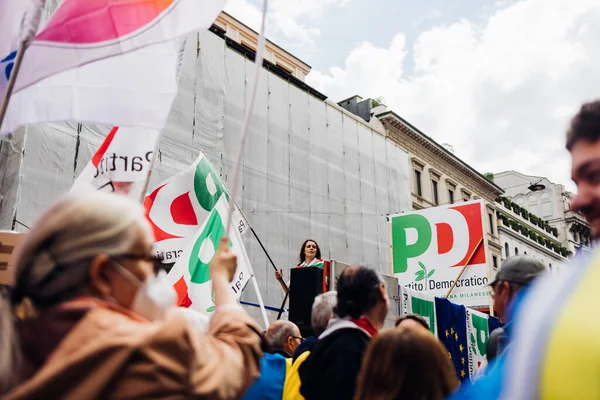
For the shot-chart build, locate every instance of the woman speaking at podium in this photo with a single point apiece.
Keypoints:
(310, 256)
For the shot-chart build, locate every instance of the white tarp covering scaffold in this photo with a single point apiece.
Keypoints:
(310, 170)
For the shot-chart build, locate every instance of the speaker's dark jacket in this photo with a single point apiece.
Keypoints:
(331, 369)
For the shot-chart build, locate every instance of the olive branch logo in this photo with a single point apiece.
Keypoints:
(422, 273)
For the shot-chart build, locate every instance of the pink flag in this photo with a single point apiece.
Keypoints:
(107, 62)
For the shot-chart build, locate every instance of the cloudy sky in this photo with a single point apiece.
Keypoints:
(498, 80)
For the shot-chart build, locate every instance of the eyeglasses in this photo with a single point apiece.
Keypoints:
(298, 337)
(157, 261)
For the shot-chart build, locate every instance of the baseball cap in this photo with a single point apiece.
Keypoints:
(519, 269)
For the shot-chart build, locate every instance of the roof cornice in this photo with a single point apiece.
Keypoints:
(392, 120)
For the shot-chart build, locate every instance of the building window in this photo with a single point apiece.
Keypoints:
(506, 250)
(550, 266)
(491, 218)
(418, 188)
(466, 196)
(495, 262)
(435, 195)
(451, 186)
(525, 253)
(516, 251)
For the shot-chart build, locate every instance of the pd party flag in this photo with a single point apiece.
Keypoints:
(478, 331)
(191, 273)
(179, 206)
(452, 331)
(422, 304)
(106, 61)
(121, 164)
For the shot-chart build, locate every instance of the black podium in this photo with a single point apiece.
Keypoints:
(305, 284)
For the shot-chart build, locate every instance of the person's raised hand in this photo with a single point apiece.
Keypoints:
(224, 263)
(279, 275)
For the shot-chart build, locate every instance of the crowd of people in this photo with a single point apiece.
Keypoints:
(92, 316)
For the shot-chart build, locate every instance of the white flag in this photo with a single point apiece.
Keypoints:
(179, 206)
(191, 273)
(106, 62)
(121, 164)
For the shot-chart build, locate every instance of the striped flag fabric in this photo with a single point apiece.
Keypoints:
(121, 164)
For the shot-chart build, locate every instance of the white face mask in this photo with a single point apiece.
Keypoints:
(154, 296)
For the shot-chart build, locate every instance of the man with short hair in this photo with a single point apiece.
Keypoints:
(331, 369)
(321, 314)
(282, 337)
(583, 141)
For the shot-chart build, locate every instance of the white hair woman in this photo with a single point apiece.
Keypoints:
(104, 325)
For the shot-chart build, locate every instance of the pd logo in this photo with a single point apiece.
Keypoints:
(434, 241)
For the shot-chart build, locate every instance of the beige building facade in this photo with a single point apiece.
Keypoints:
(248, 38)
(439, 178)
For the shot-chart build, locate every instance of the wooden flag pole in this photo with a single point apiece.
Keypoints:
(464, 267)
(13, 79)
(29, 25)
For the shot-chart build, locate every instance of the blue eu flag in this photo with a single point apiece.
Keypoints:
(452, 331)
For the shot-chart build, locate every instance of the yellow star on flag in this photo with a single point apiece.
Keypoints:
(461, 348)
(462, 360)
(451, 330)
(462, 373)
(456, 336)
(447, 333)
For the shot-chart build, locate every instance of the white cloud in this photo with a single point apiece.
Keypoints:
(287, 20)
(501, 92)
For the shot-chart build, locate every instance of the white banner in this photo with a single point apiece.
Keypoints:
(121, 164)
(430, 247)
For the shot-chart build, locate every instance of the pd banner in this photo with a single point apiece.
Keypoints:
(430, 246)
(413, 302)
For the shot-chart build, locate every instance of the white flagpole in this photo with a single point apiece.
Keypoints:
(263, 311)
(248, 116)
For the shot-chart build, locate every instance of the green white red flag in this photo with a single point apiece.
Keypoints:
(190, 207)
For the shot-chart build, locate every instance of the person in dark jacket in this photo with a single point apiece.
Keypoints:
(321, 314)
(331, 369)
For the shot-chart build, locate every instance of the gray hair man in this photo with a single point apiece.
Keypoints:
(283, 337)
(322, 313)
